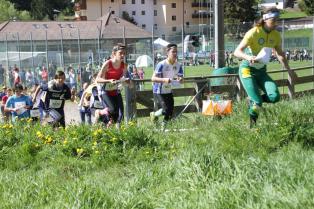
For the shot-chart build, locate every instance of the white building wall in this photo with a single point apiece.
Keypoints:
(164, 21)
(146, 21)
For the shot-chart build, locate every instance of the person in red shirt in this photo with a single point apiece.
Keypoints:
(109, 77)
(6, 115)
(16, 76)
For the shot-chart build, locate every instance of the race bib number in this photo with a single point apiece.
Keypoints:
(55, 103)
(111, 86)
(166, 87)
(175, 83)
(35, 113)
(20, 107)
(98, 104)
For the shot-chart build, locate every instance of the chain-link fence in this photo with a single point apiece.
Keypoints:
(44, 49)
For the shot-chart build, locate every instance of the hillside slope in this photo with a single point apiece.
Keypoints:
(199, 162)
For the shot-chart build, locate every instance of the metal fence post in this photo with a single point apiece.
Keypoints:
(7, 81)
(313, 49)
(46, 45)
(79, 57)
(98, 44)
(19, 49)
(62, 55)
(153, 47)
(32, 49)
(219, 31)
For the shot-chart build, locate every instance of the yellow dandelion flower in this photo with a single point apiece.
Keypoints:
(49, 139)
(79, 151)
(97, 132)
(95, 143)
(97, 152)
(39, 134)
(113, 139)
(65, 142)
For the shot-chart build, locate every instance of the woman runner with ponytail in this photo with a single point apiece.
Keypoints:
(252, 71)
(111, 74)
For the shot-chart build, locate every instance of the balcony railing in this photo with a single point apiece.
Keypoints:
(201, 15)
(201, 4)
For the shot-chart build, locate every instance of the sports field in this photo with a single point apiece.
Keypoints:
(206, 70)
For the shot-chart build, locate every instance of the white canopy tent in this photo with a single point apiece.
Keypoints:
(14, 56)
(161, 42)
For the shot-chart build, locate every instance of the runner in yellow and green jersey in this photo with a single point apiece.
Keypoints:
(263, 38)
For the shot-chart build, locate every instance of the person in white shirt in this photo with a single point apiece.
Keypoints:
(168, 73)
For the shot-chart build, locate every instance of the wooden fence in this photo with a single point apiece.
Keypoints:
(144, 98)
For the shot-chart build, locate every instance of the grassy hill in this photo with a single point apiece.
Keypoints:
(200, 162)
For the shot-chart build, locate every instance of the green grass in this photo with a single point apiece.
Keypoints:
(292, 14)
(220, 163)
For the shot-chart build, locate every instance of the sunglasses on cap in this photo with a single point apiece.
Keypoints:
(119, 47)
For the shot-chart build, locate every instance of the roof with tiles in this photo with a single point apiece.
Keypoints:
(108, 27)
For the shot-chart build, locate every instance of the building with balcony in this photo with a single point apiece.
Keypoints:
(164, 17)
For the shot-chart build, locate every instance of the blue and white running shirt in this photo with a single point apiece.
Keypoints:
(165, 70)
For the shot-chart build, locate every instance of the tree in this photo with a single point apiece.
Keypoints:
(289, 3)
(126, 16)
(8, 12)
(41, 9)
(306, 6)
(21, 4)
(240, 11)
(238, 14)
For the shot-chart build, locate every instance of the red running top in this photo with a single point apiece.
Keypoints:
(114, 73)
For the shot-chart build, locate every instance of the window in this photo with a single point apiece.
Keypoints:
(174, 18)
(173, 5)
(38, 26)
(155, 12)
(174, 29)
(112, 1)
(112, 12)
(143, 1)
(133, 1)
(123, 1)
(143, 12)
(155, 2)
(187, 24)
(155, 26)
(133, 12)
(143, 26)
(163, 36)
